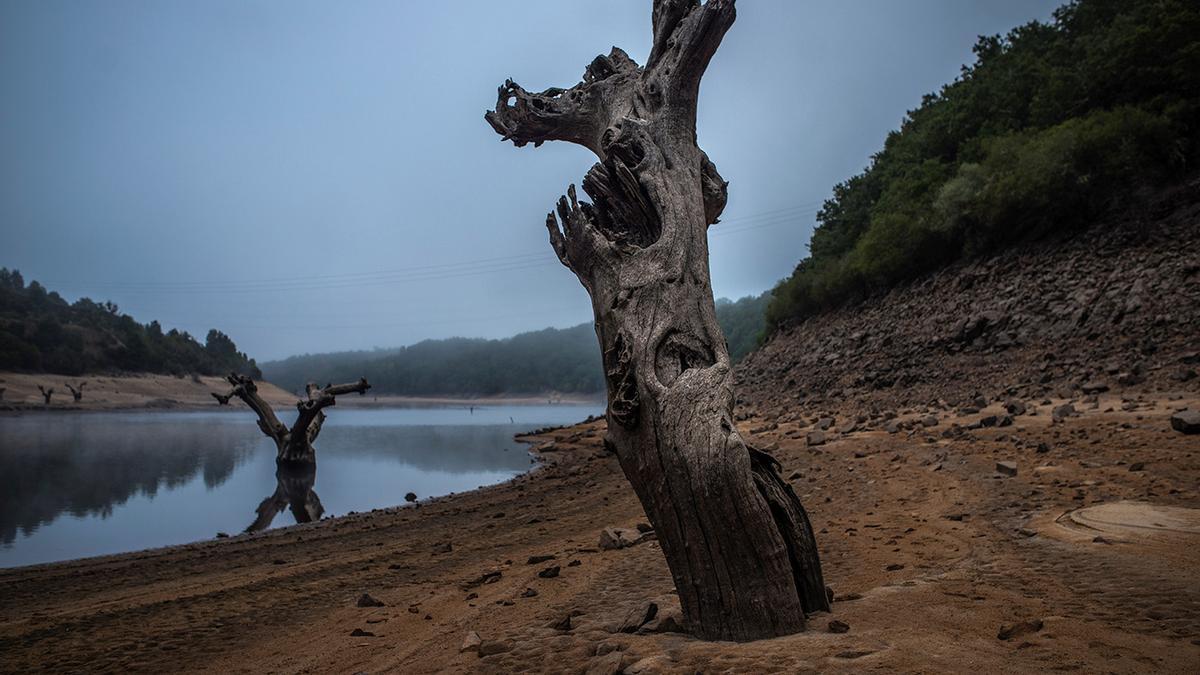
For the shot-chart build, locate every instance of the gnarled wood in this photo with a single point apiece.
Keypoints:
(738, 542)
(77, 394)
(46, 393)
(293, 444)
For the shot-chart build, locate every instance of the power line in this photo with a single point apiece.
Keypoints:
(433, 272)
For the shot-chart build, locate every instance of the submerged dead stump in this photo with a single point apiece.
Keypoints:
(77, 394)
(294, 444)
(738, 542)
(46, 393)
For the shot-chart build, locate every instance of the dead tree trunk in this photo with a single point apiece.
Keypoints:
(46, 393)
(294, 444)
(738, 542)
(77, 394)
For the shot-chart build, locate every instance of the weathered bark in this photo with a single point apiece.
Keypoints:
(293, 490)
(77, 394)
(737, 540)
(293, 444)
(46, 393)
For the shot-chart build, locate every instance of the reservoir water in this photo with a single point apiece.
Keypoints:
(82, 484)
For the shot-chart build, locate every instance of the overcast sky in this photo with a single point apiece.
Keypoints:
(312, 176)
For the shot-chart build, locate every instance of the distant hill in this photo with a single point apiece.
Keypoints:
(551, 360)
(40, 332)
(1051, 127)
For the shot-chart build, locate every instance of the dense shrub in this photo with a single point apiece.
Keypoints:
(42, 332)
(1051, 126)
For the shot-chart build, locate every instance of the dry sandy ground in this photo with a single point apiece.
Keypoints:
(928, 549)
(122, 392)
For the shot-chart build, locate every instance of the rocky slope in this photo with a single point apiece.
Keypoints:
(1115, 307)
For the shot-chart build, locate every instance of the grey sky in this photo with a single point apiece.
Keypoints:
(159, 154)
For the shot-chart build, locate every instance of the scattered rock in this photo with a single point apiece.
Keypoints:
(550, 572)
(930, 420)
(1010, 631)
(410, 497)
(1006, 468)
(853, 654)
(1137, 466)
(366, 600)
(637, 617)
(644, 527)
(650, 664)
(894, 567)
(606, 664)
(815, 438)
(613, 538)
(358, 632)
(665, 622)
(490, 577)
(1062, 412)
(535, 559)
(836, 626)
(471, 642)
(824, 423)
(529, 593)
(1094, 388)
(443, 547)
(490, 647)
(1186, 421)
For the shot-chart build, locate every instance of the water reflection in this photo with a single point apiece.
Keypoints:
(82, 466)
(79, 484)
(294, 491)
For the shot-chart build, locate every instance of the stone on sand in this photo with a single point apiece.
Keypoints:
(367, 600)
(1186, 421)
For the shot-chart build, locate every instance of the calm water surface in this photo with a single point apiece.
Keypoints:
(83, 484)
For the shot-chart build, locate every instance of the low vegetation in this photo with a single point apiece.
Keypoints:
(1052, 125)
(42, 332)
(551, 360)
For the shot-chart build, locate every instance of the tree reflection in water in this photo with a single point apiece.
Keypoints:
(294, 491)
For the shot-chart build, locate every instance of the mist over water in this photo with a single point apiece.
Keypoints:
(82, 484)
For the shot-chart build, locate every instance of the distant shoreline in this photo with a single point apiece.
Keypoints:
(154, 392)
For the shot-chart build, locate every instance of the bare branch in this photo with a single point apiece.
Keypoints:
(245, 389)
(686, 35)
(359, 388)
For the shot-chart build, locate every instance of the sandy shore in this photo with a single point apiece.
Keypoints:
(164, 392)
(929, 551)
(124, 392)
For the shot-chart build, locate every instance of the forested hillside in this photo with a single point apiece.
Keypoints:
(550, 360)
(42, 332)
(1051, 126)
